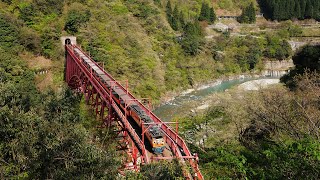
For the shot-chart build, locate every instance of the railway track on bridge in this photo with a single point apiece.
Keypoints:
(113, 102)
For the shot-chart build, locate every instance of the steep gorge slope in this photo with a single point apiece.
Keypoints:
(138, 44)
(132, 38)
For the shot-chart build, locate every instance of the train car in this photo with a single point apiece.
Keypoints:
(154, 134)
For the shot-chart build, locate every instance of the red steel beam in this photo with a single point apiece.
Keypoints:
(172, 138)
(105, 96)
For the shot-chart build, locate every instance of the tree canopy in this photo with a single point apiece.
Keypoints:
(305, 60)
(290, 9)
(248, 15)
(207, 13)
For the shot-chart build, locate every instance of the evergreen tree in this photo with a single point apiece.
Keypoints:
(303, 8)
(181, 20)
(287, 9)
(276, 12)
(192, 38)
(205, 12)
(213, 16)
(169, 12)
(175, 19)
(248, 15)
(309, 10)
(169, 8)
(297, 10)
(251, 13)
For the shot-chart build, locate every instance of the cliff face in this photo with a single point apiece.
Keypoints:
(277, 68)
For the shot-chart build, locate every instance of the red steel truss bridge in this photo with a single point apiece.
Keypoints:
(111, 102)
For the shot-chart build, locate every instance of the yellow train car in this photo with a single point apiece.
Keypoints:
(153, 134)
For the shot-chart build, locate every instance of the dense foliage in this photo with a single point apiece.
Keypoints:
(41, 135)
(248, 15)
(271, 134)
(241, 54)
(14, 37)
(306, 59)
(290, 9)
(76, 17)
(160, 170)
(175, 17)
(165, 36)
(44, 135)
(192, 36)
(158, 47)
(233, 5)
(207, 13)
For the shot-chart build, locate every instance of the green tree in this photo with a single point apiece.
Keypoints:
(277, 48)
(204, 12)
(288, 9)
(192, 38)
(309, 9)
(169, 12)
(49, 6)
(175, 19)
(75, 19)
(295, 30)
(306, 59)
(182, 19)
(248, 15)
(213, 16)
(297, 10)
(9, 33)
(27, 13)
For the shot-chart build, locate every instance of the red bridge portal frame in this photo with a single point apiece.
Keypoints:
(82, 79)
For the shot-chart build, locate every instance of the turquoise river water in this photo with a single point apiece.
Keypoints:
(185, 102)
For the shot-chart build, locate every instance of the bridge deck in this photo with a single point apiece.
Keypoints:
(104, 82)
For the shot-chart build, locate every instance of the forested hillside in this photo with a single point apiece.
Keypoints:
(270, 134)
(291, 9)
(42, 135)
(133, 38)
(50, 133)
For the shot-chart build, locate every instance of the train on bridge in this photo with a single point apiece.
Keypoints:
(114, 104)
(153, 133)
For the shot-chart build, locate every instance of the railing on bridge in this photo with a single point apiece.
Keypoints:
(82, 78)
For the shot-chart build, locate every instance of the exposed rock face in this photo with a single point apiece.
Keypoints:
(296, 45)
(274, 73)
(277, 68)
(279, 65)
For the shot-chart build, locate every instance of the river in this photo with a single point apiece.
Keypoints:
(185, 102)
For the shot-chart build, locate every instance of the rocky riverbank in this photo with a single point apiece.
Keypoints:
(199, 86)
(272, 69)
(258, 84)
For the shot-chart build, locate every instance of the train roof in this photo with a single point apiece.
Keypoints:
(86, 59)
(155, 131)
(136, 108)
(105, 77)
(77, 50)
